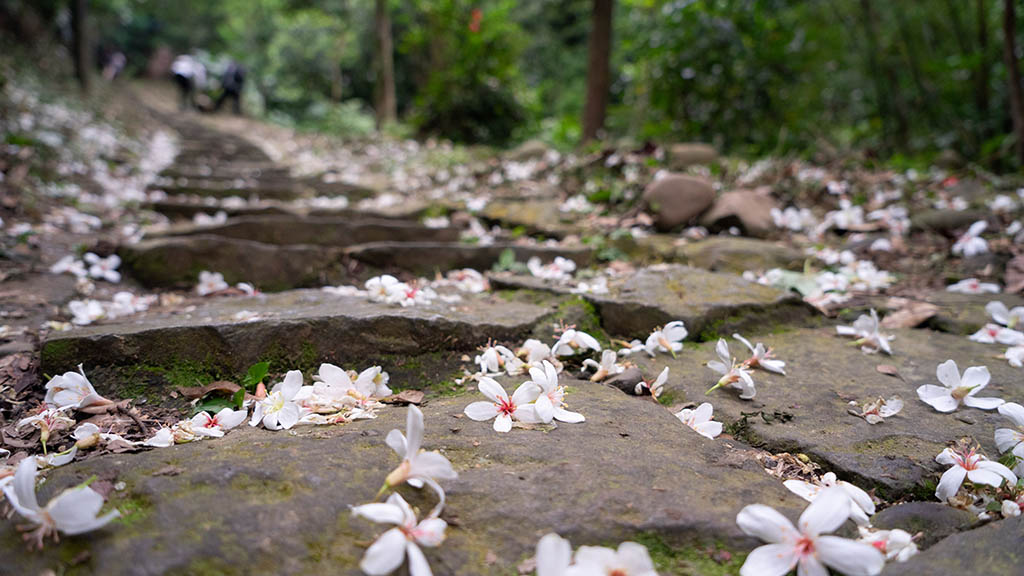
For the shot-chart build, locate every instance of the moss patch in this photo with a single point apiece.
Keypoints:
(710, 560)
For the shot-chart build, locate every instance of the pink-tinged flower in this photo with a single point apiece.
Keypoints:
(972, 466)
(1009, 317)
(896, 544)
(73, 511)
(550, 404)
(992, 333)
(607, 367)
(571, 341)
(47, 420)
(956, 390)
(630, 559)
(418, 466)
(210, 282)
(861, 505)
(389, 551)
(215, 426)
(973, 286)
(808, 550)
(700, 420)
(762, 357)
(869, 337)
(105, 268)
(492, 359)
(72, 390)
(971, 243)
(668, 339)
(1012, 439)
(734, 375)
(877, 410)
(278, 410)
(502, 408)
(653, 387)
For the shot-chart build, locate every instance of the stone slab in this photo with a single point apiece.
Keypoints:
(425, 258)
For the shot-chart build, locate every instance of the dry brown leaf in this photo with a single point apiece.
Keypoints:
(1015, 274)
(910, 314)
(193, 392)
(405, 397)
(889, 370)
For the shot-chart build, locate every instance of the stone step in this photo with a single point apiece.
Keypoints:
(806, 410)
(534, 216)
(709, 303)
(224, 335)
(177, 261)
(427, 257)
(278, 503)
(992, 549)
(323, 231)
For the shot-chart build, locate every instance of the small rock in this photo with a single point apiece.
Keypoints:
(684, 155)
(748, 209)
(677, 199)
(934, 520)
(626, 380)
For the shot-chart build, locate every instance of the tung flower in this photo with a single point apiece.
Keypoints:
(762, 357)
(667, 339)
(418, 466)
(572, 341)
(215, 426)
(861, 505)
(502, 408)
(733, 374)
(278, 410)
(866, 330)
(388, 552)
(72, 390)
(700, 420)
(956, 390)
(550, 404)
(972, 466)
(607, 367)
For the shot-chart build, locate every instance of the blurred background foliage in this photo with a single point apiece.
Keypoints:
(899, 80)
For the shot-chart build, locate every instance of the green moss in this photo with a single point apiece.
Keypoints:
(710, 560)
(211, 567)
(583, 314)
(134, 509)
(58, 355)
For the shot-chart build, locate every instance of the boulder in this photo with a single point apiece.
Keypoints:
(677, 199)
(750, 210)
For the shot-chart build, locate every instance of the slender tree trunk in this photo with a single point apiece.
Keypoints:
(80, 42)
(598, 68)
(386, 106)
(887, 93)
(1016, 93)
(981, 76)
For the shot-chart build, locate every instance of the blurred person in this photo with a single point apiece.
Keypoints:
(114, 65)
(190, 75)
(232, 82)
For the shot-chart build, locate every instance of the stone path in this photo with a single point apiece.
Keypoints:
(260, 502)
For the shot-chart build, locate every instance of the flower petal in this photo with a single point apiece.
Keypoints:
(490, 388)
(770, 560)
(414, 429)
(481, 411)
(554, 554)
(828, 511)
(766, 523)
(976, 377)
(849, 557)
(937, 397)
(503, 423)
(950, 483)
(1013, 411)
(948, 374)
(986, 403)
(385, 555)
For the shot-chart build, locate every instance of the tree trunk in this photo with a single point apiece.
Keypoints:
(981, 77)
(598, 69)
(1013, 75)
(887, 93)
(80, 42)
(386, 106)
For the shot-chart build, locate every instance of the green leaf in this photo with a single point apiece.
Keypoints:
(257, 372)
(214, 405)
(238, 398)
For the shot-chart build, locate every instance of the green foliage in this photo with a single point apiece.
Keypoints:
(256, 373)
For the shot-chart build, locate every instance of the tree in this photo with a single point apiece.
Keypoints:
(386, 106)
(80, 42)
(1016, 94)
(598, 68)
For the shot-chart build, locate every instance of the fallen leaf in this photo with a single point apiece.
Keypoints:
(405, 397)
(909, 315)
(889, 370)
(193, 392)
(1015, 274)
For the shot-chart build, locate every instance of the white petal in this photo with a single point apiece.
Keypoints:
(811, 566)
(1006, 438)
(554, 554)
(563, 415)
(937, 397)
(430, 532)
(950, 483)
(418, 565)
(849, 557)
(396, 440)
(503, 423)
(976, 377)
(805, 490)
(382, 513)
(481, 411)
(709, 429)
(998, 469)
(432, 465)
(770, 560)
(948, 374)
(983, 403)
(526, 392)
(414, 429)
(766, 523)
(385, 555)
(1013, 411)
(828, 511)
(490, 388)
(545, 410)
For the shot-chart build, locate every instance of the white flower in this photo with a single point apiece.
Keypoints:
(633, 347)
(85, 312)
(630, 559)
(956, 390)
(46, 420)
(761, 357)
(896, 544)
(1009, 439)
(973, 467)
(1001, 314)
(550, 404)
(554, 555)
(733, 374)
(210, 282)
(493, 358)
(502, 408)
(607, 367)
(700, 420)
(214, 426)
(806, 549)
(558, 269)
(992, 333)
(973, 286)
(533, 351)
(418, 466)
(971, 243)
(164, 438)
(73, 511)
(654, 387)
(668, 339)
(105, 268)
(866, 330)
(1002, 204)
(1009, 509)
(875, 411)
(70, 264)
(388, 552)
(72, 390)
(793, 219)
(1015, 356)
(861, 505)
(572, 341)
(278, 410)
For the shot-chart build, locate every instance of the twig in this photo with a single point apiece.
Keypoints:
(131, 414)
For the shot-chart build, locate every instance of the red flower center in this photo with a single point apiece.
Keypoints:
(505, 406)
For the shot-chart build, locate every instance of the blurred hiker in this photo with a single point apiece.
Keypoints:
(114, 65)
(231, 83)
(190, 75)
